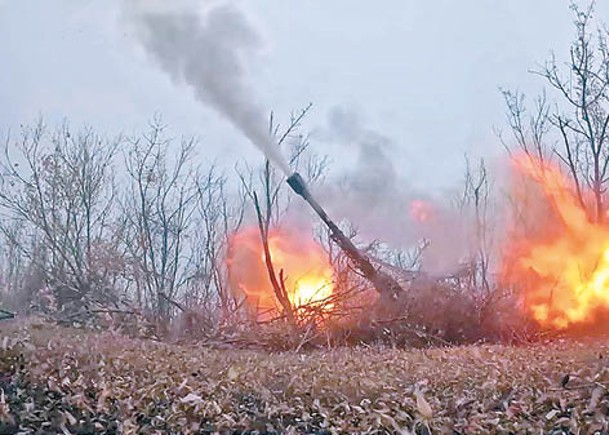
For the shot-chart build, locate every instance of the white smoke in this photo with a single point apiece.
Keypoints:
(208, 50)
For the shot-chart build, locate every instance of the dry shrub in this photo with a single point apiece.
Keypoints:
(23, 294)
(441, 310)
(194, 324)
(431, 312)
(436, 311)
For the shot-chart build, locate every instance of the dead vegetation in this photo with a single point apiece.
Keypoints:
(170, 347)
(56, 379)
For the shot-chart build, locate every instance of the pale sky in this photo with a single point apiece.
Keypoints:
(425, 74)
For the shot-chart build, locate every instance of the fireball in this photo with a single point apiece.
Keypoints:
(561, 263)
(306, 268)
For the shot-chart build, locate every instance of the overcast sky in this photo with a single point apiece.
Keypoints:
(425, 74)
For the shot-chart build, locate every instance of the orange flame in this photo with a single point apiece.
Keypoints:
(421, 211)
(561, 265)
(306, 267)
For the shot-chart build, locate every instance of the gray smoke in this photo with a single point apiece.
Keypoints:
(373, 178)
(371, 194)
(209, 52)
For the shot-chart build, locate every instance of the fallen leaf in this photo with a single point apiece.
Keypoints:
(550, 415)
(71, 420)
(595, 397)
(191, 399)
(423, 406)
(233, 373)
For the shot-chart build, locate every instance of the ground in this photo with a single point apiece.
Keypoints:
(72, 381)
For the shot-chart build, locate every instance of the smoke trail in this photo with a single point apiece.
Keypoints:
(208, 52)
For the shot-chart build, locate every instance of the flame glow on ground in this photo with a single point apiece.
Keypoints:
(562, 265)
(308, 272)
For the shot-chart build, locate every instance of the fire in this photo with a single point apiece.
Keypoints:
(307, 270)
(562, 262)
(421, 211)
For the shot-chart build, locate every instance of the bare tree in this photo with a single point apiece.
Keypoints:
(158, 206)
(14, 267)
(60, 187)
(478, 208)
(271, 200)
(529, 131)
(476, 199)
(218, 216)
(576, 127)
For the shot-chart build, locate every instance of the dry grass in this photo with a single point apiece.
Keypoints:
(65, 380)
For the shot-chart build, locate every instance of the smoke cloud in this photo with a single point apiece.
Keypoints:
(382, 206)
(208, 50)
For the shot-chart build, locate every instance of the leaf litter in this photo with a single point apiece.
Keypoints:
(59, 380)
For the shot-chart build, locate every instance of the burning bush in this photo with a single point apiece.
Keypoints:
(559, 255)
